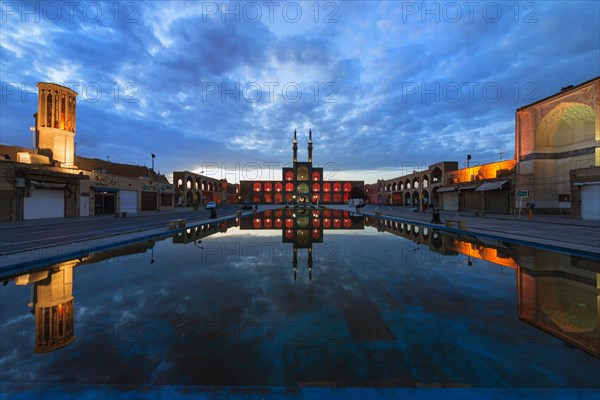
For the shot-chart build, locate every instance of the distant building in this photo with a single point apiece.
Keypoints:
(412, 190)
(558, 151)
(302, 184)
(191, 187)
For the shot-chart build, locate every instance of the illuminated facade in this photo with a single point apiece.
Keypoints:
(56, 122)
(555, 136)
(482, 188)
(302, 184)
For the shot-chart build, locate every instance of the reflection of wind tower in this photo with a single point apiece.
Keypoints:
(52, 306)
(55, 123)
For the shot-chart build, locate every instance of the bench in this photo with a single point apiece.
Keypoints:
(176, 223)
(459, 223)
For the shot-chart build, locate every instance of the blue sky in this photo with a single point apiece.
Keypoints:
(386, 87)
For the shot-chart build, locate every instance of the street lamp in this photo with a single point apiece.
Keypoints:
(32, 130)
(201, 190)
(153, 156)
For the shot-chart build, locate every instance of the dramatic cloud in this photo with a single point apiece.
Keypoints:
(382, 85)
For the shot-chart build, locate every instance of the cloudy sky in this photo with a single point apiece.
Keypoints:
(386, 87)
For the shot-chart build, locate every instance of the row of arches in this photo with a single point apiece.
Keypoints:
(408, 199)
(345, 187)
(302, 175)
(419, 234)
(290, 197)
(210, 186)
(416, 182)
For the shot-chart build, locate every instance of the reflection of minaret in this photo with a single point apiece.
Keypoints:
(295, 261)
(310, 263)
(310, 146)
(295, 147)
(52, 307)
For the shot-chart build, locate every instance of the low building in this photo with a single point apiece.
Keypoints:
(483, 188)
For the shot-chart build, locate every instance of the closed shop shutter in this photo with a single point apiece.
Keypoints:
(44, 203)
(128, 201)
(496, 201)
(450, 201)
(590, 202)
(149, 201)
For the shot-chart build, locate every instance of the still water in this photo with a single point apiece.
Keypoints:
(315, 298)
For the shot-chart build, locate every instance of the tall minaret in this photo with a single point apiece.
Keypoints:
(310, 146)
(295, 147)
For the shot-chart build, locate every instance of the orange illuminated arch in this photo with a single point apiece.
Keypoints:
(337, 187)
(289, 187)
(316, 176)
(347, 187)
(278, 187)
(289, 176)
(327, 187)
(316, 187)
(257, 187)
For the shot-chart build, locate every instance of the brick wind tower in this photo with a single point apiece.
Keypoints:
(56, 122)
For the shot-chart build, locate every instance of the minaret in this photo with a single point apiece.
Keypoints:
(295, 147)
(310, 146)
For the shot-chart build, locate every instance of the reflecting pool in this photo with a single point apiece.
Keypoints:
(298, 298)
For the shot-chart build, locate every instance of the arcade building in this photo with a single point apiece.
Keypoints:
(302, 184)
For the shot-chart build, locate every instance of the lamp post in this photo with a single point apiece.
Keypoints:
(201, 190)
(32, 130)
(468, 158)
(153, 156)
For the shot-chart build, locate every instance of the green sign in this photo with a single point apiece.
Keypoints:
(522, 193)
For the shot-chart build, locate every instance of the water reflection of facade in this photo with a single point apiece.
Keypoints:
(556, 292)
(302, 227)
(193, 234)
